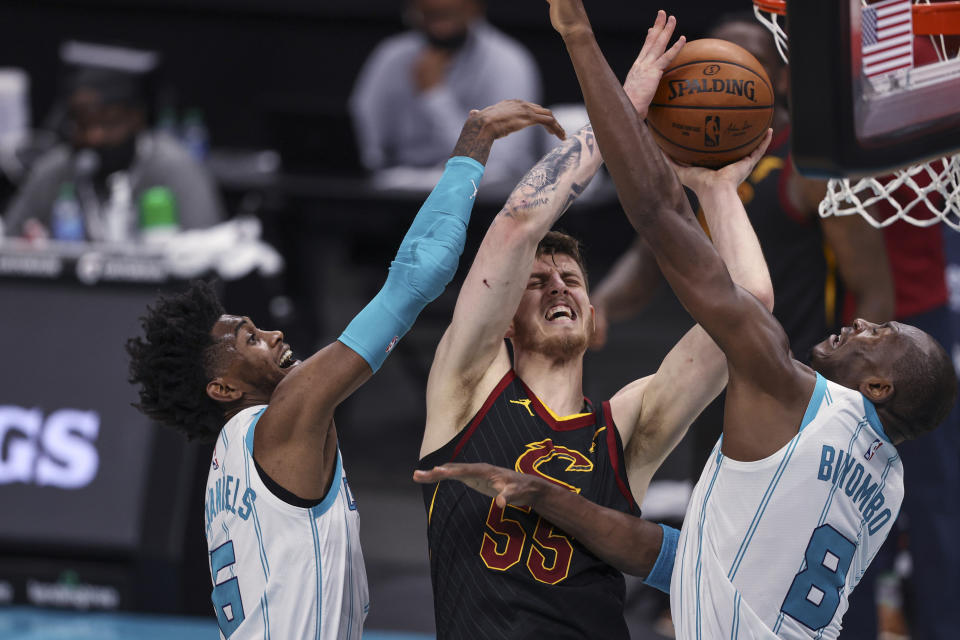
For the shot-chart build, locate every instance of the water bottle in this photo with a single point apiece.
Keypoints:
(66, 222)
(159, 220)
(194, 134)
(118, 211)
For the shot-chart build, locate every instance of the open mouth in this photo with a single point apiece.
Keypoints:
(559, 311)
(286, 358)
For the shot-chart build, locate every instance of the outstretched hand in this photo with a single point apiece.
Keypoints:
(701, 178)
(506, 486)
(484, 126)
(654, 58)
(507, 116)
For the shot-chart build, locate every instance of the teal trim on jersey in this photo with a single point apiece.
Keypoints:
(247, 463)
(703, 516)
(735, 627)
(319, 565)
(248, 439)
(332, 492)
(874, 420)
(265, 608)
(813, 407)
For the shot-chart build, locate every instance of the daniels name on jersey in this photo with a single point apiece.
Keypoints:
(280, 571)
(773, 548)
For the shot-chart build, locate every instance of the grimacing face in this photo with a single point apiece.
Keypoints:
(257, 360)
(554, 316)
(862, 349)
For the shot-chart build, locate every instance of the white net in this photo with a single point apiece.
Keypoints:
(922, 195)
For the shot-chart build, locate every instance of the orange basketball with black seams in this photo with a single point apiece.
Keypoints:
(713, 104)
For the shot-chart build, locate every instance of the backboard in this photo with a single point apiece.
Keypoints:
(874, 85)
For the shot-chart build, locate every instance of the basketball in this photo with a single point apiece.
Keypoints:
(713, 104)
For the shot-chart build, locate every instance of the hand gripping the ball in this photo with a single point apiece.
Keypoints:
(701, 179)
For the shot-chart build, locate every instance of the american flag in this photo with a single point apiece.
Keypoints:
(887, 34)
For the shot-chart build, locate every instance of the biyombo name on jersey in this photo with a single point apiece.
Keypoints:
(846, 473)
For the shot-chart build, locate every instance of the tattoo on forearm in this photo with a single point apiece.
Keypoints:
(589, 138)
(539, 188)
(472, 142)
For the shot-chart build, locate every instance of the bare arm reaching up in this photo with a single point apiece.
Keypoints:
(764, 380)
(695, 370)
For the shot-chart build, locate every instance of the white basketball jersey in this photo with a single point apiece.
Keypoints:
(280, 572)
(773, 548)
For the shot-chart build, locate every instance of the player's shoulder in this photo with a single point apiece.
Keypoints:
(238, 426)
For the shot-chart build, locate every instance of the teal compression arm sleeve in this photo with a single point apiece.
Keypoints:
(659, 577)
(425, 263)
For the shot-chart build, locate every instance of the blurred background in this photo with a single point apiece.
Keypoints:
(102, 510)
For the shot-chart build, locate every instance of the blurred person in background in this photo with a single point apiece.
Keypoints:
(112, 179)
(416, 87)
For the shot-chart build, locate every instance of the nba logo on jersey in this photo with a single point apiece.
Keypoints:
(873, 448)
(214, 463)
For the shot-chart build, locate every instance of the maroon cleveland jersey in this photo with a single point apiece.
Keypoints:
(508, 573)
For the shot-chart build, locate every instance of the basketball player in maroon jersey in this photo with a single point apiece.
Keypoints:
(516, 575)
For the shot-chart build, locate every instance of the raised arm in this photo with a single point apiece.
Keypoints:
(295, 442)
(695, 371)
(471, 356)
(650, 192)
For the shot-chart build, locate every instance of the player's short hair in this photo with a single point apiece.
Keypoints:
(925, 385)
(559, 242)
(175, 359)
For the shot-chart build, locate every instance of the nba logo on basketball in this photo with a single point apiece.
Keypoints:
(873, 449)
(711, 131)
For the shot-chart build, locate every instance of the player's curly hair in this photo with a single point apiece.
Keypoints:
(563, 243)
(175, 359)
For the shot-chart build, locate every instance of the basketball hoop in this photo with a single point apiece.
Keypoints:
(922, 194)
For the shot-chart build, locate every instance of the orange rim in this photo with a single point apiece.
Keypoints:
(936, 19)
(928, 19)
(778, 7)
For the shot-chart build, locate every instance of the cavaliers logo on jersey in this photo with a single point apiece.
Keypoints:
(540, 453)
